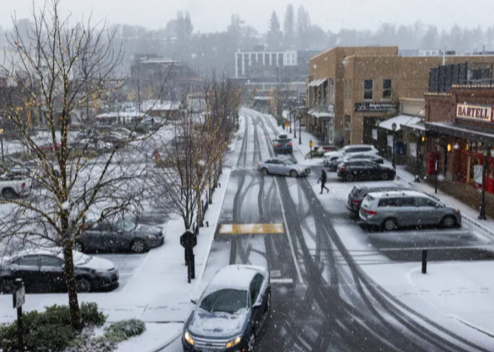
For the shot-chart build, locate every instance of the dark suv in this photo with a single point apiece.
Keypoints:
(364, 170)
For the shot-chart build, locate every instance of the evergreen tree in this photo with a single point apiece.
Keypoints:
(275, 35)
(289, 25)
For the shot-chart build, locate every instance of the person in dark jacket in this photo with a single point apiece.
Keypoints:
(323, 179)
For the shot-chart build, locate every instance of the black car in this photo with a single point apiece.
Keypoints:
(359, 192)
(374, 158)
(119, 235)
(42, 271)
(364, 170)
(333, 163)
(230, 312)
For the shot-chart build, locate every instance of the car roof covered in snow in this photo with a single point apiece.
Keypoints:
(238, 276)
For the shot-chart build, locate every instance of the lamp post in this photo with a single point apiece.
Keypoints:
(417, 166)
(295, 127)
(438, 148)
(300, 130)
(393, 127)
(290, 119)
(484, 171)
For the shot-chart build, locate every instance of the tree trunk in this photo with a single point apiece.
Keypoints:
(200, 220)
(75, 312)
(210, 194)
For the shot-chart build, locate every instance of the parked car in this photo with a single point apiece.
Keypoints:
(406, 208)
(15, 183)
(359, 192)
(332, 162)
(371, 157)
(230, 312)
(278, 166)
(119, 235)
(42, 270)
(350, 149)
(49, 147)
(364, 170)
(282, 144)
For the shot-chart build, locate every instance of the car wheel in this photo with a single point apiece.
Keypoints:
(138, 246)
(6, 286)
(384, 176)
(349, 177)
(8, 193)
(78, 247)
(390, 224)
(252, 342)
(264, 172)
(293, 173)
(83, 285)
(448, 221)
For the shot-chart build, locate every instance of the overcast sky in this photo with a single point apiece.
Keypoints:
(214, 15)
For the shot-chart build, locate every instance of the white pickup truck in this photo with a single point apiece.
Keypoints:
(14, 184)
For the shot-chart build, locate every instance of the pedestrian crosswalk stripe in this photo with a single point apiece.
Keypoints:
(243, 229)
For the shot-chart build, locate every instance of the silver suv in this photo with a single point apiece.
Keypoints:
(406, 208)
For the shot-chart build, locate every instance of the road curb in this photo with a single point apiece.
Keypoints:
(463, 216)
(165, 344)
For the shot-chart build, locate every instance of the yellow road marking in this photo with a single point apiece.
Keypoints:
(243, 229)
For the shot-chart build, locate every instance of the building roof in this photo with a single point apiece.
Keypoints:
(399, 121)
(158, 106)
(122, 114)
(456, 130)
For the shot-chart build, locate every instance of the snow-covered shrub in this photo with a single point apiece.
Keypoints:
(125, 329)
(49, 330)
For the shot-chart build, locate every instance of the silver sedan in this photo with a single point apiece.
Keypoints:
(277, 166)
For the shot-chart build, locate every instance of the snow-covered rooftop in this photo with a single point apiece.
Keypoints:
(127, 114)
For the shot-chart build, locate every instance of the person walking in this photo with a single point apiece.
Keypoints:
(323, 179)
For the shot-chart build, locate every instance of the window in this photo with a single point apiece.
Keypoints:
(331, 91)
(350, 89)
(29, 260)
(225, 300)
(47, 260)
(368, 87)
(424, 202)
(387, 90)
(345, 89)
(388, 202)
(255, 288)
(407, 202)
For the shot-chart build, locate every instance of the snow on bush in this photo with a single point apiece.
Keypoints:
(125, 329)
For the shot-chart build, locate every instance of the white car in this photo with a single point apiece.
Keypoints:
(15, 184)
(349, 150)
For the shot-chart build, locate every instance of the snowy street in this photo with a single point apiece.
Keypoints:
(338, 286)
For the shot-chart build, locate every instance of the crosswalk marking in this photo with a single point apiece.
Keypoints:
(243, 229)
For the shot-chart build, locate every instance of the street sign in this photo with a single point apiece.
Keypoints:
(287, 123)
(310, 143)
(188, 240)
(19, 297)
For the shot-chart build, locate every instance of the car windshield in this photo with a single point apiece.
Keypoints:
(289, 162)
(224, 300)
(125, 225)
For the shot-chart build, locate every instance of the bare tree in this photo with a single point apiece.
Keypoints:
(60, 68)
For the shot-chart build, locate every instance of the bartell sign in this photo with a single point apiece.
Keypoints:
(475, 112)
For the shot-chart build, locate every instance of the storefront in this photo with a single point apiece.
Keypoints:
(461, 130)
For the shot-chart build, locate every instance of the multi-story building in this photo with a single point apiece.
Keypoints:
(352, 89)
(261, 72)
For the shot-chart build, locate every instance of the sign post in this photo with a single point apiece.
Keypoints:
(188, 240)
(310, 146)
(19, 297)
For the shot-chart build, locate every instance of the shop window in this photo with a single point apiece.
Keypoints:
(345, 89)
(350, 89)
(387, 90)
(331, 91)
(368, 88)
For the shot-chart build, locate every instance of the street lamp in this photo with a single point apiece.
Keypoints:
(482, 216)
(393, 127)
(417, 166)
(290, 119)
(300, 130)
(295, 127)
(438, 148)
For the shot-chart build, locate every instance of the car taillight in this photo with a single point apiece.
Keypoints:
(370, 212)
(276, 145)
(290, 144)
(258, 165)
(341, 168)
(23, 185)
(354, 201)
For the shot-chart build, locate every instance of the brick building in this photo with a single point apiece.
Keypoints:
(352, 89)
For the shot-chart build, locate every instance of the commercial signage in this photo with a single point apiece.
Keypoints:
(475, 112)
(369, 107)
